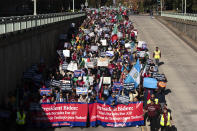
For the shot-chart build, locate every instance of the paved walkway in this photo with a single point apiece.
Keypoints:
(180, 67)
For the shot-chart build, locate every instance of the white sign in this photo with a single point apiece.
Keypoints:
(72, 67)
(91, 34)
(104, 42)
(66, 53)
(89, 79)
(65, 81)
(90, 64)
(109, 53)
(106, 80)
(102, 62)
(94, 48)
(127, 45)
(81, 90)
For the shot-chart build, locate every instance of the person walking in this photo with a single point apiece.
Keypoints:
(153, 114)
(21, 120)
(157, 55)
(165, 121)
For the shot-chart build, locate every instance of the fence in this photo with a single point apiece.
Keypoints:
(191, 17)
(17, 23)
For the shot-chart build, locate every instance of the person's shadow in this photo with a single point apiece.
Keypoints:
(160, 63)
(167, 91)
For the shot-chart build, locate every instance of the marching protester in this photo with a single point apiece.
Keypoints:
(153, 110)
(157, 55)
(166, 120)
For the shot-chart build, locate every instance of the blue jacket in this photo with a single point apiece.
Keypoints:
(110, 100)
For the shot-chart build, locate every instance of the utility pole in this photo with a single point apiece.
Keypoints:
(182, 7)
(35, 13)
(73, 5)
(161, 7)
(185, 6)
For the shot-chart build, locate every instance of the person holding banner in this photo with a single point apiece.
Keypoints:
(83, 98)
(44, 99)
(112, 100)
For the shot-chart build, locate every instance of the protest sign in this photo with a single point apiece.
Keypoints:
(91, 34)
(60, 114)
(141, 54)
(90, 64)
(117, 85)
(55, 83)
(104, 42)
(127, 45)
(102, 62)
(103, 54)
(123, 100)
(65, 85)
(45, 91)
(106, 80)
(81, 90)
(119, 116)
(66, 53)
(109, 53)
(159, 77)
(64, 65)
(94, 48)
(72, 66)
(89, 79)
(150, 83)
(129, 86)
(78, 73)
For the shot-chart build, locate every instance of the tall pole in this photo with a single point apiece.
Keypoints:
(73, 5)
(185, 6)
(35, 13)
(161, 7)
(182, 6)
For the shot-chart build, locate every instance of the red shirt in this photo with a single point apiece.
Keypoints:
(152, 109)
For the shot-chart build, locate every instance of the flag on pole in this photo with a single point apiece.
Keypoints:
(134, 75)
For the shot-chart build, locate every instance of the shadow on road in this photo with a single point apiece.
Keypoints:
(161, 63)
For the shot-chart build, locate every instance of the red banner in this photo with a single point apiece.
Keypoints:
(61, 114)
(118, 116)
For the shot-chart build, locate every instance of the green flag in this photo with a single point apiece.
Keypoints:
(115, 29)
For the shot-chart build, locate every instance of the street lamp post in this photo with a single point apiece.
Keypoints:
(161, 7)
(73, 5)
(35, 13)
(185, 6)
(86, 4)
(182, 6)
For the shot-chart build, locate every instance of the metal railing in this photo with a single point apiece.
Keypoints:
(191, 17)
(17, 23)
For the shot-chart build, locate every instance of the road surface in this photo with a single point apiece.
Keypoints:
(180, 67)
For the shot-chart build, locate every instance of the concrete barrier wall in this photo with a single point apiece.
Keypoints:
(20, 50)
(187, 27)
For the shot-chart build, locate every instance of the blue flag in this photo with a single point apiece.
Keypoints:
(134, 75)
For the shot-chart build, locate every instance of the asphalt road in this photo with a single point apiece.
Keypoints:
(180, 67)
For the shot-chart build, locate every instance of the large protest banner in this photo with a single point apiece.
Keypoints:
(118, 116)
(60, 114)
